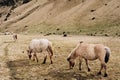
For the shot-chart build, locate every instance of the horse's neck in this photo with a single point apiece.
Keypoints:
(73, 54)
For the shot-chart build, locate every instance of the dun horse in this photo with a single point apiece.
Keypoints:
(40, 45)
(90, 52)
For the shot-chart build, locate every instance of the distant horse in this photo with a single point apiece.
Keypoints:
(90, 52)
(15, 37)
(40, 45)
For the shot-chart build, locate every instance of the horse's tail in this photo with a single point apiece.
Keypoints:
(50, 48)
(107, 55)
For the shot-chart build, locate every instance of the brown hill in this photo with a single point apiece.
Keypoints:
(68, 15)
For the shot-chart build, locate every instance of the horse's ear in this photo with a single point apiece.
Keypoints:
(81, 42)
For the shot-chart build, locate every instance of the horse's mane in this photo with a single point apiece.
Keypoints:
(74, 50)
(71, 53)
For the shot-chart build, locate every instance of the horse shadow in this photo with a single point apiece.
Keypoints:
(72, 75)
(21, 63)
(15, 65)
(57, 74)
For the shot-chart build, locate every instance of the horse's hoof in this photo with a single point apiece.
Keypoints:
(99, 73)
(51, 62)
(80, 69)
(105, 75)
(88, 70)
(43, 62)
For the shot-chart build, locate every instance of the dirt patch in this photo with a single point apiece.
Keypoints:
(15, 65)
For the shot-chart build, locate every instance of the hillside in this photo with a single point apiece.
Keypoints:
(97, 17)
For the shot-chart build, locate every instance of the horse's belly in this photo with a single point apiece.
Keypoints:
(90, 56)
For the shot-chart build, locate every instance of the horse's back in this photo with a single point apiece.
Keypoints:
(100, 49)
(34, 42)
(86, 51)
(44, 43)
(39, 44)
(91, 51)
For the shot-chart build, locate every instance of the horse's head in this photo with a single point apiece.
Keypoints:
(71, 58)
(29, 54)
(71, 62)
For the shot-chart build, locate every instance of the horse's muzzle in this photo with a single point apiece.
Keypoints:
(71, 64)
(68, 59)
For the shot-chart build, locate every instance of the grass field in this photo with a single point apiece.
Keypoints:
(98, 29)
(14, 63)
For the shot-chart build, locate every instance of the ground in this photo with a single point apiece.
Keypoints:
(15, 65)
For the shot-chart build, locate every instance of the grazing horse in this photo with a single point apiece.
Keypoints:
(90, 52)
(40, 45)
(15, 37)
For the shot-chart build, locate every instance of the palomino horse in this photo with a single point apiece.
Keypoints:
(90, 52)
(40, 45)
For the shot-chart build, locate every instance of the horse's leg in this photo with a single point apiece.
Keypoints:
(103, 65)
(35, 57)
(50, 56)
(105, 74)
(45, 57)
(80, 63)
(99, 73)
(51, 59)
(87, 64)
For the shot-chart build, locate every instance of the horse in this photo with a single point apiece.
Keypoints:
(40, 45)
(90, 52)
(15, 37)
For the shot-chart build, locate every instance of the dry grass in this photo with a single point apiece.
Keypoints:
(73, 16)
(14, 63)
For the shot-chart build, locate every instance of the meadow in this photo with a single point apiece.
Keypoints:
(15, 65)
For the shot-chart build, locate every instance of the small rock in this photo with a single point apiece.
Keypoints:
(64, 35)
(93, 18)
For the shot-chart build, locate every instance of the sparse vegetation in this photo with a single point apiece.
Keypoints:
(16, 65)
